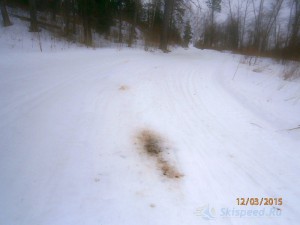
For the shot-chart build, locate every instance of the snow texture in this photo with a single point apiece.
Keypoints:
(123, 136)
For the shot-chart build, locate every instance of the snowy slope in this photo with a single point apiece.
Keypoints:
(73, 126)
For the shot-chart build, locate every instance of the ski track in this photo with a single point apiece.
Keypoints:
(67, 141)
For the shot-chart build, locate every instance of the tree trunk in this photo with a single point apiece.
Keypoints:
(120, 26)
(33, 17)
(212, 28)
(244, 25)
(87, 30)
(166, 23)
(74, 17)
(295, 25)
(53, 8)
(67, 7)
(132, 30)
(267, 29)
(6, 21)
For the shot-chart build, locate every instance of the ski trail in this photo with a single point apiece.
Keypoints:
(69, 151)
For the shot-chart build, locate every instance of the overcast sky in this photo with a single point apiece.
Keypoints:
(284, 13)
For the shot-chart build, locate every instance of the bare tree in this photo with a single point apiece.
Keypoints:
(214, 6)
(243, 23)
(233, 24)
(271, 20)
(238, 14)
(258, 17)
(295, 23)
(264, 22)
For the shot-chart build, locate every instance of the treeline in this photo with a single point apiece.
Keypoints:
(160, 22)
(255, 27)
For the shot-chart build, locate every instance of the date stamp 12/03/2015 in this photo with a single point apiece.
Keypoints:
(259, 201)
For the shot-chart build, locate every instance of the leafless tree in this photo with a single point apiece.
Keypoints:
(214, 7)
(295, 23)
(238, 14)
(264, 22)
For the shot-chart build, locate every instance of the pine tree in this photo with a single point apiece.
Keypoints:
(166, 25)
(6, 21)
(85, 8)
(33, 17)
(187, 34)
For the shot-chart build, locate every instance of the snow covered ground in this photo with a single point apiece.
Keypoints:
(77, 126)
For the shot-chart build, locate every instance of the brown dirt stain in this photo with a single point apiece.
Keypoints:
(153, 146)
(123, 88)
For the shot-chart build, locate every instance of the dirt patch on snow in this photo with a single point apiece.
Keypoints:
(123, 88)
(153, 146)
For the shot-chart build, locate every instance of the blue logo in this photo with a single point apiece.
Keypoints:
(206, 212)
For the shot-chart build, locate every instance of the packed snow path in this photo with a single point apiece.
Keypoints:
(70, 139)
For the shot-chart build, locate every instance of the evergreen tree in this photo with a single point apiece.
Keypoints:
(133, 14)
(176, 23)
(6, 21)
(187, 34)
(166, 25)
(33, 17)
(85, 9)
(104, 15)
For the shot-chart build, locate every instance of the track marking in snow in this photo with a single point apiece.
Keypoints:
(254, 124)
(154, 147)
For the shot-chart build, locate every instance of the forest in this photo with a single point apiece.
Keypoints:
(256, 27)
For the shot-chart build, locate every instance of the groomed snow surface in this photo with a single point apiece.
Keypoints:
(122, 136)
